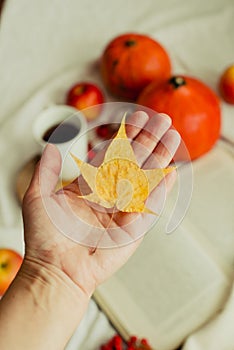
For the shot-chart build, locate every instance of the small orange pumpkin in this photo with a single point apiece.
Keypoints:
(193, 107)
(130, 62)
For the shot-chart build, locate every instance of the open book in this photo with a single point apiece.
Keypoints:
(175, 283)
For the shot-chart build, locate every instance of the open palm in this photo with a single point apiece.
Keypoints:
(47, 213)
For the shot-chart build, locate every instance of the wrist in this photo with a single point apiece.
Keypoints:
(48, 297)
(39, 274)
(54, 297)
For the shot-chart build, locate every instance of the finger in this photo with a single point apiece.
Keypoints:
(164, 151)
(46, 173)
(170, 180)
(135, 123)
(49, 170)
(148, 138)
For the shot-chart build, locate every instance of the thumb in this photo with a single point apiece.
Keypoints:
(46, 174)
(49, 169)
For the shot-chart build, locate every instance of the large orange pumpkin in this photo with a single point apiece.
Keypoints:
(131, 61)
(193, 107)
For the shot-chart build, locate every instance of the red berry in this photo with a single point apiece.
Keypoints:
(118, 338)
(144, 342)
(132, 340)
(104, 347)
(117, 342)
(102, 131)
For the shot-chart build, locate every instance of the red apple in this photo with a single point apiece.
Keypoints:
(83, 95)
(226, 84)
(10, 262)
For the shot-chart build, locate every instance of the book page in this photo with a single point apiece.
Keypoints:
(175, 283)
(166, 290)
(212, 206)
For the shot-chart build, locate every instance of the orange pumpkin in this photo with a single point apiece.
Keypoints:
(193, 107)
(130, 62)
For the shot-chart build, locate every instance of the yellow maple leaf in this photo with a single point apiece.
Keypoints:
(119, 181)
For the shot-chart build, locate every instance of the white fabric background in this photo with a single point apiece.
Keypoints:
(40, 40)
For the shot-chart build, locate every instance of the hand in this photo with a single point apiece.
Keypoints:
(47, 246)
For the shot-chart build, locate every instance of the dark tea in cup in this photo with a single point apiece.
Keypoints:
(61, 133)
(66, 127)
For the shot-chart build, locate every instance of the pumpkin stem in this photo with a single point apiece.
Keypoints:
(130, 43)
(177, 81)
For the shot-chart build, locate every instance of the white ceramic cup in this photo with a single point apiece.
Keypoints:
(77, 145)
